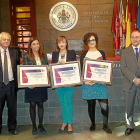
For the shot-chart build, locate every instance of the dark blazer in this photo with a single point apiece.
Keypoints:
(130, 68)
(84, 54)
(14, 62)
(26, 60)
(71, 56)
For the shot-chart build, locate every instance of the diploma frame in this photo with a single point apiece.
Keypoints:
(28, 67)
(65, 65)
(106, 63)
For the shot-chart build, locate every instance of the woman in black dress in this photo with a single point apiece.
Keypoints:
(35, 95)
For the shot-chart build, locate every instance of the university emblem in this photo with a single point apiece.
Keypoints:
(63, 16)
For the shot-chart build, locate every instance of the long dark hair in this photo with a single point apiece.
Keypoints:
(30, 52)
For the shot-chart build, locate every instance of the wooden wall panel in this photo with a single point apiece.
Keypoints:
(73, 45)
(5, 16)
(53, 2)
(43, 11)
(102, 1)
(50, 35)
(93, 15)
(103, 32)
(81, 9)
(101, 21)
(44, 23)
(106, 9)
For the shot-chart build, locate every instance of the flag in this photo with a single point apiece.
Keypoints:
(115, 27)
(128, 27)
(122, 26)
(138, 17)
(133, 16)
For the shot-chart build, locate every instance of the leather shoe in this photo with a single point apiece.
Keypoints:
(70, 132)
(128, 131)
(14, 132)
(107, 130)
(60, 130)
(92, 128)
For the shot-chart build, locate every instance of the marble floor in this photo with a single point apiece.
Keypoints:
(81, 132)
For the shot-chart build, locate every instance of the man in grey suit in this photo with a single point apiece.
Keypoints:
(8, 81)
(130, 66)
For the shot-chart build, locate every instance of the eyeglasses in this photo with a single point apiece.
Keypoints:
(90, 41)
(5, 40)
(35, 44)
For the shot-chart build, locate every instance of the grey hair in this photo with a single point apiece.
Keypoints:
(2, 33)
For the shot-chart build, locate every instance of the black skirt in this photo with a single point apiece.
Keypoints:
(37, 94)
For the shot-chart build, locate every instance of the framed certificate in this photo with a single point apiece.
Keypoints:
(100, 71)
(65, 74)
(33, 75)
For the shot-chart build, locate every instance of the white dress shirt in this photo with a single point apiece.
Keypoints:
(38, 61)
(10, 71)
(135, 49)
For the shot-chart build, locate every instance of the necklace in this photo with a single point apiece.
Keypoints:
(62, 56)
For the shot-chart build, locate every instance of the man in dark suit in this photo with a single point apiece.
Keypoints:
(130, 66)
(8, 81)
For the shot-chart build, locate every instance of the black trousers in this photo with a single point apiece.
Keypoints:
(8, 95)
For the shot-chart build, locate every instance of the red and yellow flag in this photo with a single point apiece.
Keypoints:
(115, 27)
(133, 16)
(128, 26)
(122, 26)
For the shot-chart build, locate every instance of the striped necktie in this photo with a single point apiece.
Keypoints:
(6, 78)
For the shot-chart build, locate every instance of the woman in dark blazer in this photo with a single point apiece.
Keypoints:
(94, 91)
(35, 95)
(62, 55)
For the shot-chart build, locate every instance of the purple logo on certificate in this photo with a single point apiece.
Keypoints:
(24, 77)
(89, 73)
(57, 75)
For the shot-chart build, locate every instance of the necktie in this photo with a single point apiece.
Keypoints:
(6, 79)
(137, 54)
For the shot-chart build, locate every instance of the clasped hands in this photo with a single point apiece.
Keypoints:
(62, 62)
(90, 83)
(137, 81)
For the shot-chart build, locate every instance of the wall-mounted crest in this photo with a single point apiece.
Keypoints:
(63, 16)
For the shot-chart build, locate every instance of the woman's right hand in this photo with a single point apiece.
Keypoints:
(89, 83)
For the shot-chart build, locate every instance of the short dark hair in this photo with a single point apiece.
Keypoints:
(87, 37)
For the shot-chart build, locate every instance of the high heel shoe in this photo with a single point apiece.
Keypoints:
(71, 131)
(60, 130)
(42, 130)
(34, 132)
